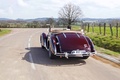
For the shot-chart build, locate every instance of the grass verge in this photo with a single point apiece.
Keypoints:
(107, 51)
(4, 32)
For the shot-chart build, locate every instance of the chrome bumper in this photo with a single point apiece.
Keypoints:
(75, 53)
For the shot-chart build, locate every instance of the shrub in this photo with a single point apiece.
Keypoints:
(106, 42)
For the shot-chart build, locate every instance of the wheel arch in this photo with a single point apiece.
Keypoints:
(43, 39)
(91, 44)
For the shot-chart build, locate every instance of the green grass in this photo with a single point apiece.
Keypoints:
(4, 32)
(108, 32)
(107, 51)
(76, 27)
(107, 42)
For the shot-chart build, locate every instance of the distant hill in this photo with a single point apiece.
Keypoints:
(4, 19)
(43, 19)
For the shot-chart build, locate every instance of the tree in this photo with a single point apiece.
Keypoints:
(50, 21)
(69, 13)
(35, 24)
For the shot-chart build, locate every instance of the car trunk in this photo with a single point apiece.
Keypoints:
(72, 41)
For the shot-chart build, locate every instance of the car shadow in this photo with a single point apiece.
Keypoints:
(40, 56)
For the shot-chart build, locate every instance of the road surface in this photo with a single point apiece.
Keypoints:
(22, 58)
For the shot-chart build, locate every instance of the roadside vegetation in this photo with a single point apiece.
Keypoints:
(104, 43)
(4, 32)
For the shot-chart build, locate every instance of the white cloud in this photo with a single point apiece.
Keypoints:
(43, 8)
(10, 10)
(106, 3)
(22, 3)
(2, 11)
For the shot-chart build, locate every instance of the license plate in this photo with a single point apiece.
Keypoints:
(78, 52)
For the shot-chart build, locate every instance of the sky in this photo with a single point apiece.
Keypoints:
(29, 9)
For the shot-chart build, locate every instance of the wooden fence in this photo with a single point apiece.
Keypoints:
(103, 28)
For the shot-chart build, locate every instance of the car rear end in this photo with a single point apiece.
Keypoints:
(71, 44)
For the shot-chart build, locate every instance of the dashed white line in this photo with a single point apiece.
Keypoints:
(31, 60)
(28, 45)
(29, 39)
(30, 56)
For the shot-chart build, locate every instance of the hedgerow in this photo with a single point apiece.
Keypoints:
(106, 42)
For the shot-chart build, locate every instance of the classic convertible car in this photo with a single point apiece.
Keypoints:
(66, 43)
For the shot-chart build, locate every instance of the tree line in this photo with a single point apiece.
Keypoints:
(27, 24)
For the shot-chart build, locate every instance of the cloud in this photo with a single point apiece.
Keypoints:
(2, 11)
(106, 3)
(22, 3)
(43, 8)
(10, 10)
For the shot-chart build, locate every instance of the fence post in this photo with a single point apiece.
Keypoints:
(93, 27)
(111, 30)
(104, 29)
(83, 26)
(88, 27)
(117, 30)
(100, 27)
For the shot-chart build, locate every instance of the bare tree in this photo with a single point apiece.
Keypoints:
(50, 21)
(69, 13)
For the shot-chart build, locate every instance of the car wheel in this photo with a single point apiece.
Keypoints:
(51, 55)
(43, 47)
(85, 57)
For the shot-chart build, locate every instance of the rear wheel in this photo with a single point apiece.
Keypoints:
(43, 47)
(51, 55)
(41, 41)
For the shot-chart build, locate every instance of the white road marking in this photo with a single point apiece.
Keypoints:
(30, 56)
(28, 45)
(29, 39)
(31, 60)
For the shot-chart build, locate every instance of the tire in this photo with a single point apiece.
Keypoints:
(85, 57)
(43, 47)
(41, 42)
(51, 55)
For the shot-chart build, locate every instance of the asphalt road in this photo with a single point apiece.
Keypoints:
(22, 58)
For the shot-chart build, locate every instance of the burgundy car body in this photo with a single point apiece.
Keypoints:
(67, 44)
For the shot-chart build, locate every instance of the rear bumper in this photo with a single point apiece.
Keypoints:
(65, 54)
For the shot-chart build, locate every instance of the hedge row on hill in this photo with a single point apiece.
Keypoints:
(106, 42)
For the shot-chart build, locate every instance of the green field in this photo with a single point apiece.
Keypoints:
(96, 30)
(107, 32)
(4, 32)
(76, 27)
(105, 44)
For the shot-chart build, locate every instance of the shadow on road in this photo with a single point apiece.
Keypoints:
(40, 56)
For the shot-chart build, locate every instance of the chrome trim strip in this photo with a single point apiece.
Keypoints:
(53, 46)
(59, 43)
(78, 35)
(64, 35)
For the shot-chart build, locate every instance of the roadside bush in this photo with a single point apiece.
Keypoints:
(106, 42)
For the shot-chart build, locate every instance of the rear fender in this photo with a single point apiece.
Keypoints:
(43, 39)
(53, 44)
(91, 44)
